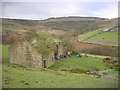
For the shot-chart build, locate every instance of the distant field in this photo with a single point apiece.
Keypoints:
(105, 38)
(88, 35)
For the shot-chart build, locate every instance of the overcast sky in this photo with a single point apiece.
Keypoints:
(44, 10)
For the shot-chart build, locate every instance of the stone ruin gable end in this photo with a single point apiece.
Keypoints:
(17, 54)
(24, 54)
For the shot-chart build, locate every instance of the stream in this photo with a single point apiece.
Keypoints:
(101, 73)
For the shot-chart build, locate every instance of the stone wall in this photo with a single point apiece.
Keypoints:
(18, 54)
(24, 54)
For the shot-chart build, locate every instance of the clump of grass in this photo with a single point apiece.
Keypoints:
(77, 71)
(64, 70)
(104, 73)
(17, 65)
(74, 53)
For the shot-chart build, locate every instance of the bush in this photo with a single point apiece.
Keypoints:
(117, 67)
(69, 46)
(30, 34)
(44, 44)
(74, 53)
(106, 59)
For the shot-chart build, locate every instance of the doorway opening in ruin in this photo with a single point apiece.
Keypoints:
(44, 63)
(56, 50)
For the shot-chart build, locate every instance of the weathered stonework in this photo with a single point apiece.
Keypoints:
(60, 49)
(24, 53)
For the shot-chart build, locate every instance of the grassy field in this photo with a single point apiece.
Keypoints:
(5, 55)
(105, 38)
(16, 76)
(31, 78)
(107, 35)
(83, 63)
(88, 35)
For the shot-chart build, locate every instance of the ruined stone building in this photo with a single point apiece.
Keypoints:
(24, 53)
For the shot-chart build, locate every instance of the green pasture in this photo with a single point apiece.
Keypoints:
(88, 35)
(107, 36)
(15, 76)
(5, 53)
(32, 78)
(99, 37)
(83, 63)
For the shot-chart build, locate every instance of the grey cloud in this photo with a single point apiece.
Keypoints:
(43, 10)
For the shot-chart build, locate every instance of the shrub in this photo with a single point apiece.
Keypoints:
(69, 45)
(44, 44)
(77, 71)
(30, 34)
(74, 53)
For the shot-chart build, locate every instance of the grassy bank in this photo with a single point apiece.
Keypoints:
(15, 76)
(83, 63)
(32, 78)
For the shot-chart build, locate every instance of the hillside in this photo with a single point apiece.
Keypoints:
(14, 29)
(64, 28)
(79, 24)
